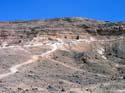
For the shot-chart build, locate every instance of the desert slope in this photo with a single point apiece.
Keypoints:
(63, 55)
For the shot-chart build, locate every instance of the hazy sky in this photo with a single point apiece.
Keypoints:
(110, 10)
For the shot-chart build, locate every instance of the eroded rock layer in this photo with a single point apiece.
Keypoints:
(20, 32)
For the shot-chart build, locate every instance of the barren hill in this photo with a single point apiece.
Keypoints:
(63, 55)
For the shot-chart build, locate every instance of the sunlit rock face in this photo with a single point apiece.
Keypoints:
(62, 55)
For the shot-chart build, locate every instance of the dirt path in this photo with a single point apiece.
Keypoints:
(14, 68)
(92, 39)
(54, 47)
(34, 58)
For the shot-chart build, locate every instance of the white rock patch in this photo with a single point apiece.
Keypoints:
(101, 52)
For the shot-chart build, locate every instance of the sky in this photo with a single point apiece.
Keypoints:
(108, 10)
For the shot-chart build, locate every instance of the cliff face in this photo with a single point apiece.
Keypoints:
(20, 32)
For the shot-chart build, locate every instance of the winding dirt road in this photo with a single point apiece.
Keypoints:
(54, 46)
(35, 58)
(14, 69)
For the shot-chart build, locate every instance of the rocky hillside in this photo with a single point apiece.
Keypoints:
(63, 55)
(20, 32)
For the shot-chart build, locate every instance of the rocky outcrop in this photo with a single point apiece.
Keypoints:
(20, 32)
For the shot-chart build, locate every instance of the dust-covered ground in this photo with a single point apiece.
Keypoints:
(64, 66)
